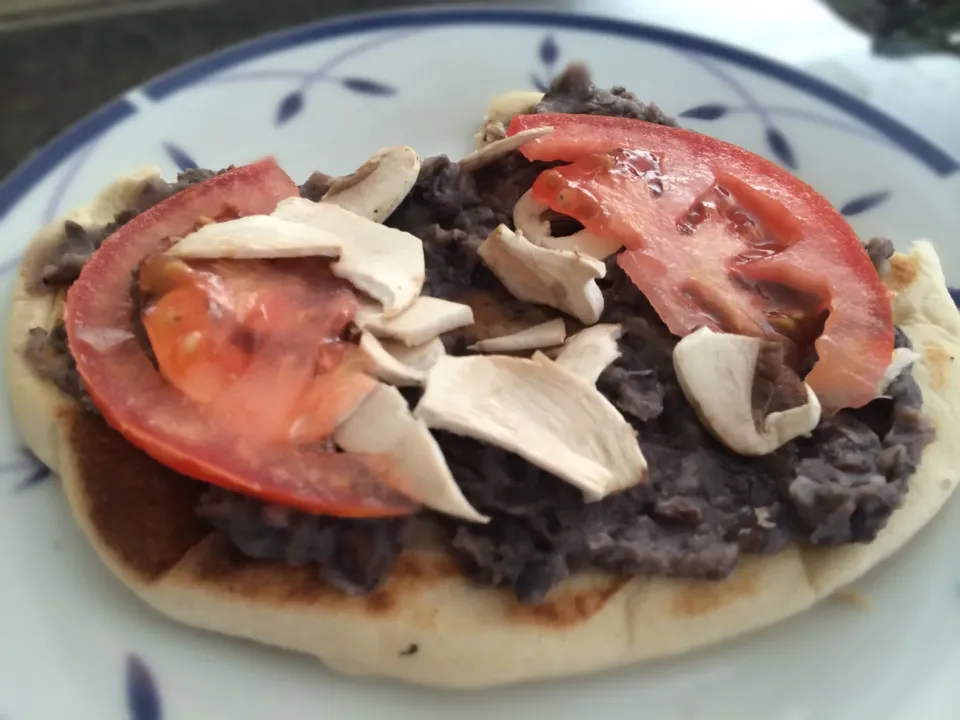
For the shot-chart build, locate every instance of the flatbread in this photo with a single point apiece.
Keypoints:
(428, 625)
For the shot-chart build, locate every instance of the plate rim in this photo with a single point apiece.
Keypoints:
(36, 166)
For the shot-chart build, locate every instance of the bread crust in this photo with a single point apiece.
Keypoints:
(428, 625)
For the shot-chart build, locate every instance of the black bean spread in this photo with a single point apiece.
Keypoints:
(703, 505)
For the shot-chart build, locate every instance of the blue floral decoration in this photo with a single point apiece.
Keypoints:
(28, 469)
(781, 147)
(549, 54)
(293, 102)
(776, 140)
(290, 106)
(180, 157)
(710, 111)
(143, 698)
(862, 204)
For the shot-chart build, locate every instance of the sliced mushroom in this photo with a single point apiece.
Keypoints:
(902, 359)
(528, 219)
(393, 368)
(385, 263)
(378, 186)
(548, 334)
(590, 351)
(426, 319)
(540, 411)
(257, 236)
(383, 424)
(717, 372)
(501, 148)
(562, 279)
(420, 357)
(501, 109)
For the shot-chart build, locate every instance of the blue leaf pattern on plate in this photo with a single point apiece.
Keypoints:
(29, 468)
(710, 111)
(864, 203)
(781, 147)
(143, 699)
(538, 82)
(36, 477)
(180, 157)
(549, 52)
(289, 107)
(367, 86)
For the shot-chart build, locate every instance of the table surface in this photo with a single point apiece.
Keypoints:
(53, 75)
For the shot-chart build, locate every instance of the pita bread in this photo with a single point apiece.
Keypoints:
(428, 625)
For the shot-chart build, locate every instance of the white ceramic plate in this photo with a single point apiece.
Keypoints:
(75, 644)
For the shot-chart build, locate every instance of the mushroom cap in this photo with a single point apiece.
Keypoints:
(501, 109)
(423, 321)
(396, 364)
(716, 372)
(562, 279)
(383, 424)
(590, 351)
(385, 263)
(257, 236)
(547, 334)
(501, 148)
(528, 219)
(378, 186)
(540, 411)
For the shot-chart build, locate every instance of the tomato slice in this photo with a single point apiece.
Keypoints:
(720, 237)
(236, 367)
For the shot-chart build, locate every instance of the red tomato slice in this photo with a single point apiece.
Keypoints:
(227, 438)
(330, 398)
(720, 237)
(197, 355)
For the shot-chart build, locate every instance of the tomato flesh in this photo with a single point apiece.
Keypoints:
(713, 234)
(254, 340)
(239, 347)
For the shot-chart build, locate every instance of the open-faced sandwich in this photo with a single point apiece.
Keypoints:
(603, 390)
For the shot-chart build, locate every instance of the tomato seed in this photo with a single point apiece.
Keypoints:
(782, 324)
(191, 342)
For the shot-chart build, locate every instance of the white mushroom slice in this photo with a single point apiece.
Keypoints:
(548, 334)
(902, 359)
(528, 219)
(426, 319)
(540, 411)
(396, 364)
(501, 148)
(385, 263)
(257, 236)
(378, 187)
(590, 351)
(383, 424)
(420, 357)
(559, 278)
(501, 109)
(716, 372)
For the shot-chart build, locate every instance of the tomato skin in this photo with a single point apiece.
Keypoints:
(165, 423)
(817, 251)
